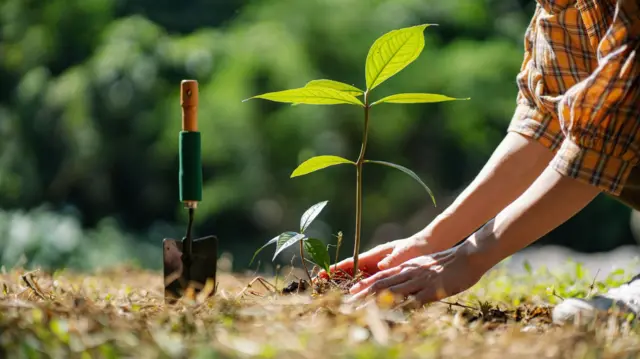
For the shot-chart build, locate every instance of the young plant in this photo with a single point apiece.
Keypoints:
(388, 55)
(314, 247)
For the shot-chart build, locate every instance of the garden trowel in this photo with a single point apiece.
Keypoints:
(189, 264)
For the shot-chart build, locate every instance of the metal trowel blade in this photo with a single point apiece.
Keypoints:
(204, 261)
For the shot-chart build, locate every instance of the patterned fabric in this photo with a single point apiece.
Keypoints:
(579, 88)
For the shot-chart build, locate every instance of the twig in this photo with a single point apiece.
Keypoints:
(593, 284)
(335, 266)
(25, 277)
(260, 280)
(347, 274)
(456, 304)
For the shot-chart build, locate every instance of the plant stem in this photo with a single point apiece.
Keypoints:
(304, 264)
(359, 165)
(335, 266)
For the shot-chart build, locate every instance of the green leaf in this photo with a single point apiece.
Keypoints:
(317, 163)
(279, 240)
(318, 252)
(336, 85)
(527, 267)
(392, 52)
(273, 240)
(617, 272)
(416, 98)
(407, 171)
(287, 240)
(311, 96)
(310, 215)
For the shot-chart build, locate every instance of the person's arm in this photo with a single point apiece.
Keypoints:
(531, 142)
(601, 117)
(514, 165)
(550, 201)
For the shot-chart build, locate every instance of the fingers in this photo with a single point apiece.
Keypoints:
(432, 294)
(360, 288)
(397, 257)
(412, 286)
(407, 282)
(367, 260)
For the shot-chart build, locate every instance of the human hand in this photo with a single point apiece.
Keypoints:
(387, 255)
(427, 278)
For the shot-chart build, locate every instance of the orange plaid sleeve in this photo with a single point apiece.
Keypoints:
(600, 115)
(532, 117)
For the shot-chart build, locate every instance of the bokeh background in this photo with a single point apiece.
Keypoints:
(90, 114)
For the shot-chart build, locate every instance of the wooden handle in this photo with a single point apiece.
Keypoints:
(189, 103)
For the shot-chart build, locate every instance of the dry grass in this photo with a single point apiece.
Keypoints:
(120, 314)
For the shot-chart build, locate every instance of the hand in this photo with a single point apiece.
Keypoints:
(387, 255)
(428, 278)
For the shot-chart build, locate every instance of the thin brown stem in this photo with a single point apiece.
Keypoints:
(304, 264)
(335, 267)
(359, 165)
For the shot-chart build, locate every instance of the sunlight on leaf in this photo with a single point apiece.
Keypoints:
(311, 96)
(281, 238)
(310, 215)
(336, 85)
(287, 241)
(407, 171)
(317, 163)
(416, 98)
(392, 52)
(318, 252)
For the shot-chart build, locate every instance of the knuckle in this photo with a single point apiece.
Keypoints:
(377, 286)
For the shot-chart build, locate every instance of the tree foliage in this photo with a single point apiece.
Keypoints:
(89, 112)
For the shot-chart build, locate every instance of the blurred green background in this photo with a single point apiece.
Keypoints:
(89, 121)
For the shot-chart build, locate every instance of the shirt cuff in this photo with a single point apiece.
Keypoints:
(607, 173)
(541, 127)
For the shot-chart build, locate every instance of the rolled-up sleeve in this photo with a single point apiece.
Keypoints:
(600, 116)
(531, 118)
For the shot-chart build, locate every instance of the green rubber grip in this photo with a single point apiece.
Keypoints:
(190, 167)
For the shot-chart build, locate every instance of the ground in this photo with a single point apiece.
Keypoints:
(120, 313)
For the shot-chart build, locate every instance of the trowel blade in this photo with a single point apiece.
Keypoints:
(204, 263)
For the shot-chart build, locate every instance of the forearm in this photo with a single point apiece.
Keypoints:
(550, 201)
(514, 165)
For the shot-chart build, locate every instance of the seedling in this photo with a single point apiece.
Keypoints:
(388, 55)
(314, 247)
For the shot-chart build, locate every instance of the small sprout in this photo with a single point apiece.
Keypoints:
(314, 247)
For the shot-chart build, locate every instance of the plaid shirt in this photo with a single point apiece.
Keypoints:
(579, 88)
